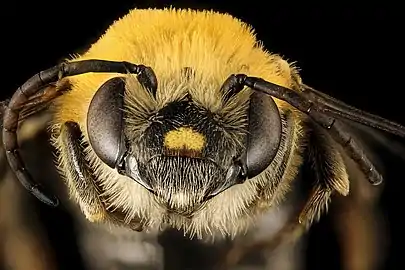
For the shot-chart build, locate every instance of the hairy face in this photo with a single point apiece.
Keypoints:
(160, 146)
(182, 155)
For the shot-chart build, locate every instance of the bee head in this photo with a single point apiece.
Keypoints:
(183, 153)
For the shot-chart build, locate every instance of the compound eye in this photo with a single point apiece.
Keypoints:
(264, 133)
(264, 129)
(105, 121)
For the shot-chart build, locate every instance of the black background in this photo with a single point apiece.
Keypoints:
(350, 51)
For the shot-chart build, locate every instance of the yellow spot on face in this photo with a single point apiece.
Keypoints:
(184, 138)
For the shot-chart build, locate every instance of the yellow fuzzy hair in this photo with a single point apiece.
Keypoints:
(214, 46)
